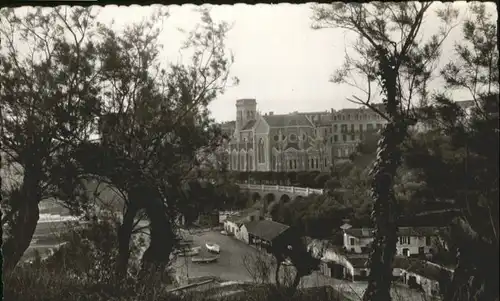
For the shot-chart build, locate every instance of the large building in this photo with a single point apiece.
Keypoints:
(294, 141)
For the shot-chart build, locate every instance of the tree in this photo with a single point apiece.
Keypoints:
(467, 155)
(401, 69)
(49, 100)
(154, 126)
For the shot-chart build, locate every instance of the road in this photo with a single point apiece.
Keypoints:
(229, 266)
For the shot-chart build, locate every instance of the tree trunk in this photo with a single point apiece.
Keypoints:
(384, 171)
(277, 275)
(157, 255)
(124, 236)
(23, 223)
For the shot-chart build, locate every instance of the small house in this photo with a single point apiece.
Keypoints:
(264, 232)
(412, 241)
(233, 223)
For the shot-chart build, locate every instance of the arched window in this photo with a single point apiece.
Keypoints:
(242, 161)
(235, 161)
(260, 151)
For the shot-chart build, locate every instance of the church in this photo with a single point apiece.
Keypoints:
(296, 141)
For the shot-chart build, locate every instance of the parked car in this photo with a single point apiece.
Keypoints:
(213, 247)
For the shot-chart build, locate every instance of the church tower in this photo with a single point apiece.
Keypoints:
(245, 111)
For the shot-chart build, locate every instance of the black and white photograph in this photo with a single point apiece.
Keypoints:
(343, 151)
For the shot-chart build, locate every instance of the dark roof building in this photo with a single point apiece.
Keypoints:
(266, 229)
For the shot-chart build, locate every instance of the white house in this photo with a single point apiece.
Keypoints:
(358, 240)
(411, 240)
(233, 223)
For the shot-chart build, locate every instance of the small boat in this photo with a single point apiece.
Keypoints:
(204, 259)
(213, 247)
(190, 252)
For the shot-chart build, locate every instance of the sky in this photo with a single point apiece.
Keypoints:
(280, 61)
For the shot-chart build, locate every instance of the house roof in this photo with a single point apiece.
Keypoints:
(417, 231)
(360, 232)
(249, 125)
(266, 229)
(422, 268)
(287, 120)
(240, 217)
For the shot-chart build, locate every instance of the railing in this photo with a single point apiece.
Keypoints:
(276, 188)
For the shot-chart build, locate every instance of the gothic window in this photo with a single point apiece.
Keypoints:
(260, 152)
(242, 161)
(235, 161)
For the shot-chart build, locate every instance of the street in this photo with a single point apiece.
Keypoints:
(229, 266)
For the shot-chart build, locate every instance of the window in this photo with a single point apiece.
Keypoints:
(260, 152)
(361, 127)
(343, 117)
(335, 138)
(420, 250)
(427, 240)
(351, 241)
(343, 128)
(335, 128)
(326, 132)
(348, 116)
(352, 127)
(353, 137)
(331, 139)
(295, 164)
(276, 137)
(369, 127)
(290, 164)
(330, 130)
(379, 126)
(316, 163)
(344, 137)
(293, 138)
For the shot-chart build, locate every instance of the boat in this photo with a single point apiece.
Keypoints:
(189, 252)
(204, 259)
(213, 247)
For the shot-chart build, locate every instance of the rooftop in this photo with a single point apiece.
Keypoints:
(287, 120)
(422, 268)
(266, 229)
